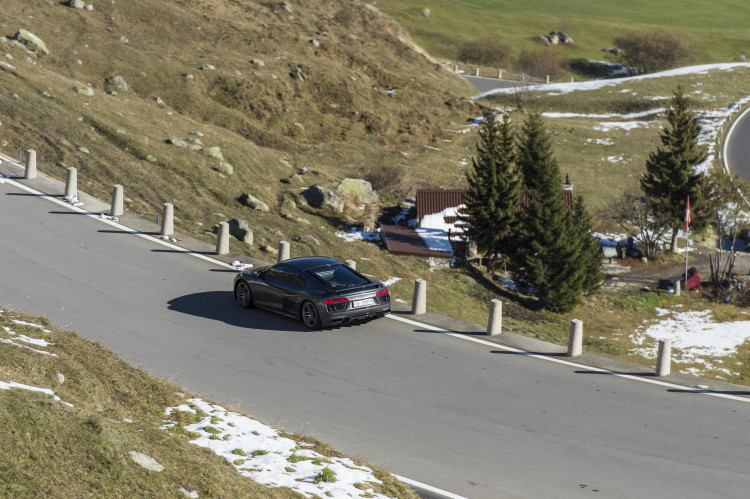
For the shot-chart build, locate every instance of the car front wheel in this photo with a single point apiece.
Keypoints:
(244, 295)
(310, 315)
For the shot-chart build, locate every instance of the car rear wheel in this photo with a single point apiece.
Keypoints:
(243, 294)
(310, 315)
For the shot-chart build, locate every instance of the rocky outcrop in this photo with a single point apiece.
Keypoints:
(320, 197)
(253, 202)
(357, 190)
(241, 230)
(31, 41)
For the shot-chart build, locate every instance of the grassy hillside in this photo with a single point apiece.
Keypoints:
(79, 412)
(717, 29)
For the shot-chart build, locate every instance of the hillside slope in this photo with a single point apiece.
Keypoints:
(333, 87)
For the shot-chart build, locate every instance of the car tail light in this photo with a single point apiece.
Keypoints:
(336, 304)
(383, 296)
(335, 300)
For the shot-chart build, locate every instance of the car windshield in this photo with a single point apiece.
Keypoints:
(338, 276)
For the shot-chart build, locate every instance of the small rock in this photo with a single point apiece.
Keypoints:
(269, 249)
(214, 152)
(177, 142)
(150, 158)
(83, 90)
(257, 62)
(146, 461)
(225, 168)
(77, 4)
(123, 39)
(207, 67)
(253, 202)
(60, 378)
(307, 240)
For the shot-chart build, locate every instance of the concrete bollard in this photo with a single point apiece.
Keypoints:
(664, 358)
(352, 264)
(495, 323)
(476, 71)
(222, 239)
(677, 288)
(30, 164)
(455, 68)
(499, 74)
(419, 303)
(167, 220)
(283, 251)
(71, 183)
(575, 341)
(547, 79)
(116, 210)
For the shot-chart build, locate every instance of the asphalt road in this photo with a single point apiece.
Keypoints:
(484, 84)
(469, 418)
(737, 146)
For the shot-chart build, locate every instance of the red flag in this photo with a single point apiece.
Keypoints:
(687, 214)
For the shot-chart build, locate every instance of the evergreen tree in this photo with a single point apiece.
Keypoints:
(548, 256)
(494, 186)
(670, 176)
(591, 254)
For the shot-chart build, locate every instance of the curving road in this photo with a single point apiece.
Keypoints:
(470, 418)
(737, 145)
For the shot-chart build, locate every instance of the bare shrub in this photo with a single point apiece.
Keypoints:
(540, 64)
(487, 52)
(383, 179)
(653, 51)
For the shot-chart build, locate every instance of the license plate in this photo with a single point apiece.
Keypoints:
(363, 303)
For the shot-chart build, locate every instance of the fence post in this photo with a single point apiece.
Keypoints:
(419, 303)
(71, 183)
(116, 210)
(30, 164)
(283, 251)
(495, 323)
(167, 220)
(352, 264)
(664, 358)
(575, 341)
(222, 239)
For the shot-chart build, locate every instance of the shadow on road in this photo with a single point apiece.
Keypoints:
(740, 393)
(220, 306)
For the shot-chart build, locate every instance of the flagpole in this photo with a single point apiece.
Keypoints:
(687, 239)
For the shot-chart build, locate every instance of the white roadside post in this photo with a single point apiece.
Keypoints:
(352, 264)
(222, 239)
(30, 164)
(167, 220)
(495, 323)
(419, 303)
(116, 210)
(284, 253)
(71, 183)
(664, 358)
(575, 341)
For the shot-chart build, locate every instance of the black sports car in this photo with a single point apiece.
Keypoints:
(320, 291)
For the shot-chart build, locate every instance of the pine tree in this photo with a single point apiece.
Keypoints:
(591, 254)
(493, 190)
(549, 251)
(670, 176)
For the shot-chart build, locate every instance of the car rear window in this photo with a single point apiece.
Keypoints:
(338, 276)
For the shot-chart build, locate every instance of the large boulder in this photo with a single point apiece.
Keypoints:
(357, 190)
(322, 198)
(241, 230)
(253, 202)
(31, 41)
